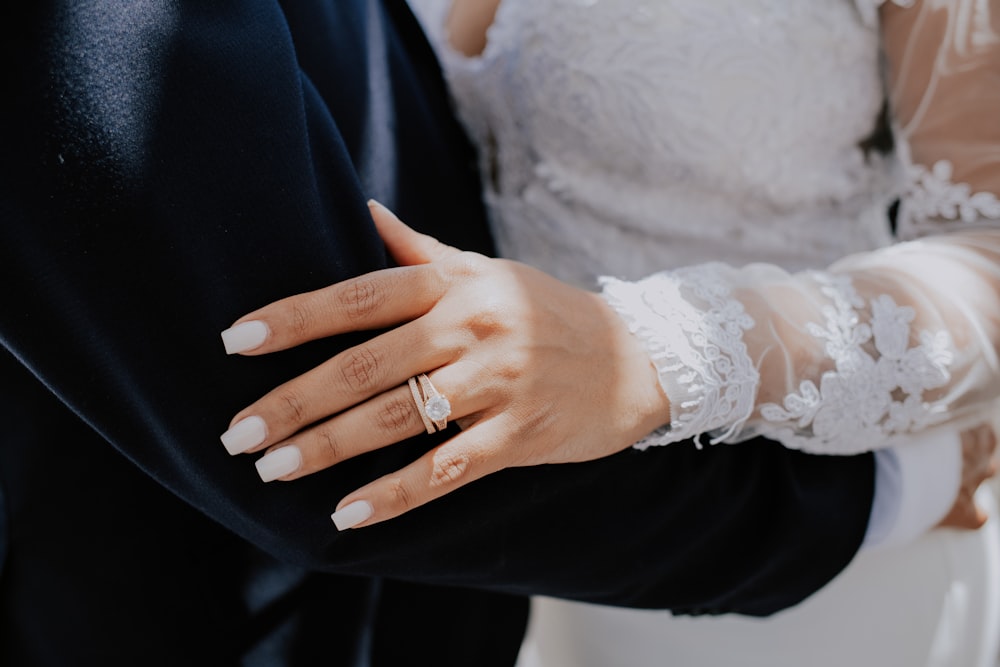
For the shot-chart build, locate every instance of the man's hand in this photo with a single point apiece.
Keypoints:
(978, 464)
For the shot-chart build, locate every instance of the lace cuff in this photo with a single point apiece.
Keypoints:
(880, 346)
(693, 330)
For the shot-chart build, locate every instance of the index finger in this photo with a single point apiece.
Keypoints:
(372, 301)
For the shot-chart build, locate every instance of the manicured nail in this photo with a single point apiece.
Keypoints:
(351, 515)
(244, 336)
(279, 462)
(244, 434)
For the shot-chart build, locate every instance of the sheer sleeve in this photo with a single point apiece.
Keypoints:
(944, 71)
(880, 345)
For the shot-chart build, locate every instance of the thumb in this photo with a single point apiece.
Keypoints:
(407, 246)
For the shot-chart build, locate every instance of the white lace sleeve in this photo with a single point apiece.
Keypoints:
(880, 345)
(944, 62)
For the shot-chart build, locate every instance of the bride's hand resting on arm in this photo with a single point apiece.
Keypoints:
(865, 354)
(535, 371)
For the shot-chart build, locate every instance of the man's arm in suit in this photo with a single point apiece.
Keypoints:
(170, 166)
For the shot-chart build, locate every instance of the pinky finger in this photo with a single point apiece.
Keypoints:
(453, 464)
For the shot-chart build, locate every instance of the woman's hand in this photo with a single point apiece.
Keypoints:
(535, 371)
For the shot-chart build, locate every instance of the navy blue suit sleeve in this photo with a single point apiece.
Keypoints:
(169, 166)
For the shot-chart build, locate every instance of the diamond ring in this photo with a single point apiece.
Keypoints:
(433, 407)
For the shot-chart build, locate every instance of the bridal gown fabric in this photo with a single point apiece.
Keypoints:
(705, 164)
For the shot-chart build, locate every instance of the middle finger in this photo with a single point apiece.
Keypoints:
(353, 376)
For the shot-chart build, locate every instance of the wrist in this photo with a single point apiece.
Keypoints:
(644, 400)
(691, 327)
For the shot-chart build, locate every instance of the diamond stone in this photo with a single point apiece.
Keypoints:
(438, 408)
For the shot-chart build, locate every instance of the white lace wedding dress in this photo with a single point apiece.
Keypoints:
(705, 163)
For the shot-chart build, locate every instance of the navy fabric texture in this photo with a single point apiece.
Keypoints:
(169, 166)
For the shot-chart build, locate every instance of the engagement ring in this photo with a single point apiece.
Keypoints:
(433, 407)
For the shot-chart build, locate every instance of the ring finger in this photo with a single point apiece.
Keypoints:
(351, 377)
(383, 420)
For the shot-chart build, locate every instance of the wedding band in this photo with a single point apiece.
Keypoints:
(433, 407)
(419, 401)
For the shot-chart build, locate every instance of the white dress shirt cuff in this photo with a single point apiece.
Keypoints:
(915, 486)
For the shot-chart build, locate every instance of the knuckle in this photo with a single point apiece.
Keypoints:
(301, 319)
(490, 320)
(332, 446)
(293, 406)
(449, 468)
(360, 299)
(512, 367)
(397, 416)
(361, 369)
(399, 495)
(467, 264)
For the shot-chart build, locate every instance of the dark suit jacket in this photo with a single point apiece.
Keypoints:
(169, 165)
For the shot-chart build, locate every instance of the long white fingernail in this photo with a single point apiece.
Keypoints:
(245, 336)
(244, 434)
(279, 462)
(351, 515)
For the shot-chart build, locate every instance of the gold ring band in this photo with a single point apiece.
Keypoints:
(419, 401)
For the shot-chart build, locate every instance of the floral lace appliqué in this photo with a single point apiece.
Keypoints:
(693, 329)
(933, 197)
(883, 392)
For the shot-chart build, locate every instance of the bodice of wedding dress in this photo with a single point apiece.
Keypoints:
(707, 166)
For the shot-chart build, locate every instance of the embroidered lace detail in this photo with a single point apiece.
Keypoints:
(884, 392)
(623, 138)
(932, 198)
(693, 330)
